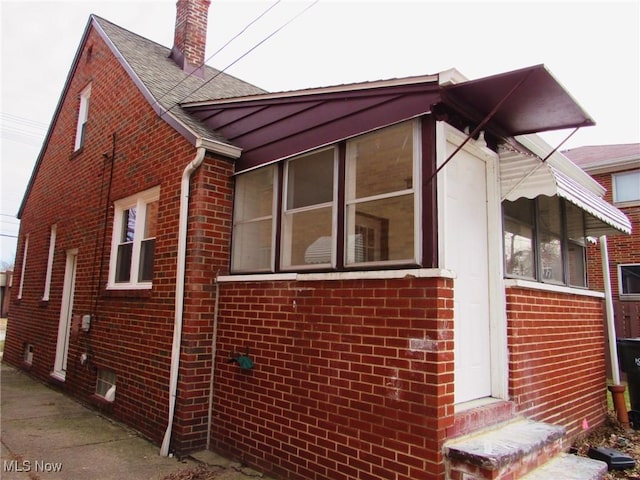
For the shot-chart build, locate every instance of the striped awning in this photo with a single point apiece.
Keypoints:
(524, 174)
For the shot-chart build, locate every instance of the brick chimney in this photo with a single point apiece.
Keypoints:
(190, 36)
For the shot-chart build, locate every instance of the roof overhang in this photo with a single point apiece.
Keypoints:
(524, 174)
(532, 101)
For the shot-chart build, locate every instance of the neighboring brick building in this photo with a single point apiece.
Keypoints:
(617, 169)
(336, 258)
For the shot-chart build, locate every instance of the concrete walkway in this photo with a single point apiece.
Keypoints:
(46, 435)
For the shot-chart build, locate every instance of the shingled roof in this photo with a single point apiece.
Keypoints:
(602, 157)
(165, 84)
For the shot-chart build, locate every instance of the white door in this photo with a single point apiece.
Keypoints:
(66, 312)
(466, 253)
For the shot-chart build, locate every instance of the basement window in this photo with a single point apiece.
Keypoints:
(106, 384)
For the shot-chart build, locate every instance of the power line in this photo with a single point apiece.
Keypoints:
(219, 50)
(242, 56)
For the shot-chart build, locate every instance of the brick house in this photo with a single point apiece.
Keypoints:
(340, 282)
(617, 169)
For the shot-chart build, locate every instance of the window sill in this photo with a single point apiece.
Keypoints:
(355, 275)
(127, 293)
(630, 297)
(547, 287)
(103, 404)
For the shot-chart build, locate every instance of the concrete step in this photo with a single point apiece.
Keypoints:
(510, 450)
(569, 467)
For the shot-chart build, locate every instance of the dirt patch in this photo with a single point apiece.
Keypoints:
(612, 435)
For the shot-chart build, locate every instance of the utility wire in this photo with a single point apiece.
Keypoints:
(241, 57)
(219, 50)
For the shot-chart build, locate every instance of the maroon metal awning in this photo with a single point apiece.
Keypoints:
(274, 126)
(536, 102)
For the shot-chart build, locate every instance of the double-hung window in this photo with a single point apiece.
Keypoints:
(133, 243)
(626, 186)
(380, 200)
(83, 116)
(348, 205)
(308, 233)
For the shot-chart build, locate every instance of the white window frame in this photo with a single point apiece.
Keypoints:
(139, 201)
(83, 116)
(288, 213)
(52, 248)
(633, 201)
(106, 384)
(349, 188)
(626, 296)
(24, 265)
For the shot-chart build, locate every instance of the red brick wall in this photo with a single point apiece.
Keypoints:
(132, 330)
(622, 248)
(556, 357)
(338, 390)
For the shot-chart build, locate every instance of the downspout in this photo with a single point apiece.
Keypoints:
(214, 343)
(180, 276)
(617, 389)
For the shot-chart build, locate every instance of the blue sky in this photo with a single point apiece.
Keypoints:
(592, 48)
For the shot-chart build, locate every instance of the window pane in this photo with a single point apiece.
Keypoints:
(550, 257)
(307, 237)
(252, 246)
(253, 221)
(254, 195)
(549, 214)
(381, 162)
(630, 279)
(380, 230)
(518, 249)
(521, 209)
(147, 250)
(310, 180)
(123, 262)
(626, 186)
(576, 258)
(128, 224)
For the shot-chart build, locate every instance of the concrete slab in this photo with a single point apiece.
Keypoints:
(569, 467)
(46, 435)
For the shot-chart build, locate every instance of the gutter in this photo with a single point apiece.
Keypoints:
(180, 277)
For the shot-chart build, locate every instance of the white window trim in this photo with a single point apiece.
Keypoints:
(24, 265)
(139, 200)
(349, 188)
(285, 252)
(83, 116)
(626, 296)
(52, 248)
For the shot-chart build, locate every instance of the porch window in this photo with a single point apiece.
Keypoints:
(253, 221)
(326, 220)
(629, 280)
(133, 244)
(307, 222)
(380, 196)
(626, 187)
(544, 240)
